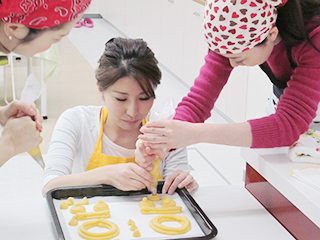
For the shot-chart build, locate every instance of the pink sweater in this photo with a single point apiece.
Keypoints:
(296, 108)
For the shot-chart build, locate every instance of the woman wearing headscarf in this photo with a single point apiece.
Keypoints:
(28, 27)
(281, 36)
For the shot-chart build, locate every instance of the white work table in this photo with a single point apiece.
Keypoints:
(25, 214)
(275, 167)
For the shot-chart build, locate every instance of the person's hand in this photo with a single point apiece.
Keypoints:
(179, 179)
(167, 134)
(20, 135)
(145, 156)
(129, 177)
(18, 109)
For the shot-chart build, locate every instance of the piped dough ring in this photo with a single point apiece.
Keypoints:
(84, 233)
(156, 225)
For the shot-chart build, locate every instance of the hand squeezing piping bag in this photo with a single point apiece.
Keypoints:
(167, 112)
(29, 94)
(155, 171)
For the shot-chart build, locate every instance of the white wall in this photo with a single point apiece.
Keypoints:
(93, 8)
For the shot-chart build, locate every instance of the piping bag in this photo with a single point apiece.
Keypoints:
(166, 114)
(155, 171)
(30, 93)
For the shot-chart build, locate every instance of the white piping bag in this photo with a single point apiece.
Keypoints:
(29, 94)
(167, 112)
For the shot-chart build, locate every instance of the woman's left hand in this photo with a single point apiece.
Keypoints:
(179, 179)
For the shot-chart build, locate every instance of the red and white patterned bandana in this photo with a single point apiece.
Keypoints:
(234, 26)
(40, 14)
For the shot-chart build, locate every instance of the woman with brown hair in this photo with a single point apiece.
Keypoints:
(96, 144)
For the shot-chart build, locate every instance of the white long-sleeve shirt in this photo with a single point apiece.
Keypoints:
(73, 141)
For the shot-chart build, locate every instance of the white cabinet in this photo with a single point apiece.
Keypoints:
(93, 7)
(150, 14)
(113, 12)
(194, 46)
(244, 96)
(233, 97)
(133, 19)
(171, 26)
(259, 88)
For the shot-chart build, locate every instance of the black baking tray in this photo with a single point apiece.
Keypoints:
(204, 222)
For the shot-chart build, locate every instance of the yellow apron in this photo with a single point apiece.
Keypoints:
(99, 159)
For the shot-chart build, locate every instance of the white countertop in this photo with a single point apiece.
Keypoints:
(25, 215)
(275, 166)
(238, 215)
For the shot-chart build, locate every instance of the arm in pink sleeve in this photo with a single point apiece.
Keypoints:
(196, 107)
(297, 106)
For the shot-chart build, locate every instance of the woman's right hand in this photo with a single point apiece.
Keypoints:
(18, 109)
(128, 177)
(145, 156)
(19, 135)
(168, 134)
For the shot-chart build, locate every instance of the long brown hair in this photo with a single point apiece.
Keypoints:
(292, 20)
(128, 58)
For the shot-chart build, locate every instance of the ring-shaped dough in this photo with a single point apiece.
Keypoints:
(156, 225)
(84, 233)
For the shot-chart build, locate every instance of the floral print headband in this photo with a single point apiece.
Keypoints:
(234, 26)
(40, 14)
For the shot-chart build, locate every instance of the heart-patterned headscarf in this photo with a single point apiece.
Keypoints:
(234, 26)
(40, 14)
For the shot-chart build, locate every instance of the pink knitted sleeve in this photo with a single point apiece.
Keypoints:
(196, 107)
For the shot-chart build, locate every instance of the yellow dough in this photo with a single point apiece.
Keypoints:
(155, 197)
(77, 208)
(89, 215)
(64, 205)
(155, 172)
(133, 227)
(136, 233)
(156, 167)
(93, 215)
(168, 205)
(102, 223)
(84, 201)
(73, 221)
(70, 201)
(156, 225)
(160, 210)
(130, 222)
(146, 203)
(100, 206)
(168, 202)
